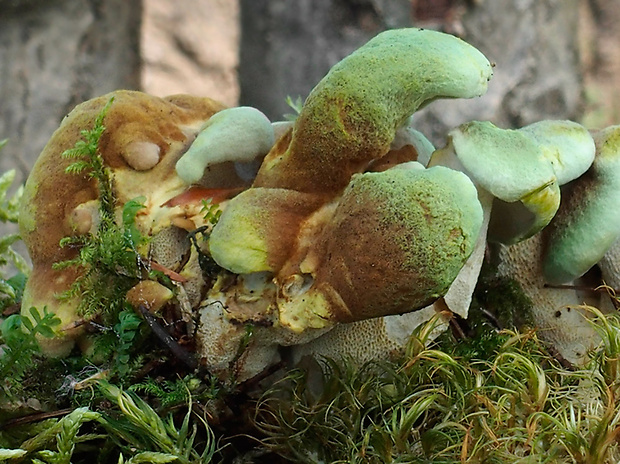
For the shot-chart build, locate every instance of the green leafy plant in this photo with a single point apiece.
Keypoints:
(174, 392)
(118, 344)
(9, 205)
(111, 263)
(87, 156)
(64, 434)
(128, 431)
(10, 288)
(143, 429)
(110, 258)
(212, 213)
(20, 347)
(296, 105)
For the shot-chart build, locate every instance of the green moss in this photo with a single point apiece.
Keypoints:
(502, 399)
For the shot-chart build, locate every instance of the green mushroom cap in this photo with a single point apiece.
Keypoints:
(352, 115)
(239, 134)
(505, 162)
(511, 166)
(258, 228)
(568, 146)
(588, 223)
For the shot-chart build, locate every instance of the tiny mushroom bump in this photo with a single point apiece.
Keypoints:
(143, 138)
(587, 224)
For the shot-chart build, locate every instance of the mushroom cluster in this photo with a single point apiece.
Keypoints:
(339, 233)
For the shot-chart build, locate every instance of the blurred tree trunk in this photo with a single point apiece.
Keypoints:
(56, 54)
(288, 45)
(601, 61)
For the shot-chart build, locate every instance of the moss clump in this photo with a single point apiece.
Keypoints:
(511, 402)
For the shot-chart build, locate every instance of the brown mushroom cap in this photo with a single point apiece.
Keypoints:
(136, 124)
(51, 193)
(396, 241)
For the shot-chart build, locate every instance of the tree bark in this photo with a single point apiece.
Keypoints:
(56, 54)
(288, 45)
(537, 74)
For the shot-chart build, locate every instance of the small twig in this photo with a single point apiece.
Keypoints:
(253, 382)
(583, 288)
(170, 343)
(34, 418)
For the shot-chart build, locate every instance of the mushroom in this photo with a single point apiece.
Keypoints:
(348, 125)
(610, 268)
(568, 146)
(367, 340)
(586, 225)
(391, 244)
(518, 173)
(557, 312)
(509, 166)
(395, 243)
(149, 294)
(315, 226)
(552, 267)
(144, 138)
(240, 134)
(351, 117)
(258, 229)
(408, 136)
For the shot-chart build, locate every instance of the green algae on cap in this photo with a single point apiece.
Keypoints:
(588, 223)
(397, 240)
(352, 115)
(567, 145)
(505, 162)
(234, 134)
(510, 165)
